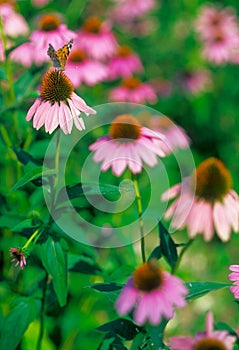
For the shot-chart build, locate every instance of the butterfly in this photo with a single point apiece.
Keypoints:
(59, 57)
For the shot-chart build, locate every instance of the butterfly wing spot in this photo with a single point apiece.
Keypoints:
(59, 57)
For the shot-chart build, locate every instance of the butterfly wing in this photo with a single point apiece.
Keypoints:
(52, 53)
(59, 57)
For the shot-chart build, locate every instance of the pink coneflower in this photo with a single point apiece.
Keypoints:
(124, 64)
(214, 205)
(196, 81)
(152, 293)
(50, 31)
(14, 24)
(58, 105)
(175, 136)
(129, 10)
(210, 339)
(97, 39)
(18, 257)
(162, 87)
(234, 276)
(133, 90)
(81, 69)
(128, 144)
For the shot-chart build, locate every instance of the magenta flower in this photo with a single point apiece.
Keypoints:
(152, 293)
(81, 69)
(234, 276)
(18, 257)
(50, 31)
(209, 339)
(129, 10)
(175, 136)
(97, 39)
(207, 202)
(58, 105)
(124, 64)
(133, 90)
(14, 24)
(196, 81)
(128, 144)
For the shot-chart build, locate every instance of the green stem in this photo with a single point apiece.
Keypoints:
(57, 159)
(140, 213)
(35, 233)
(184, 249)
(42, 314)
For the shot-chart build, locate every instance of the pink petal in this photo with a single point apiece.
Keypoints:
(33, 109)
(171, 192)
(221, 222)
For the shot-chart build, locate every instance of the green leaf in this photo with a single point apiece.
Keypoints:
(168, 247)
(54, 260)
(24, 157)
(83, 264)
(198, 289)
(156, 335)
(112, 342)
(124, 328)
(156, 254)
(106, 287)
(17, 322)
(33, 174)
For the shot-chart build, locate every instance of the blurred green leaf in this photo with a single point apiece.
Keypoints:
(156, 335)
(17, 322)
(112, 342)
(156, 253)
(123, 327)
(167, 245)
(198, 289)
(106, 287)
(54, 260)
(83, 264)
(24, 157)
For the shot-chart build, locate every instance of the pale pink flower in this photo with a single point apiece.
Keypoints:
(205, 202)
(18, 257)
(2, 52)
(25, 54)
(14, 24)
(124, 64)
(196, 81)
(162, 87)
(82, 69)
(133, 90)
(234, 276)
(152, 293)
(58, 105)
(128, 144)
(210, 339)
(97, 39)
(175, 136)
(129, 10)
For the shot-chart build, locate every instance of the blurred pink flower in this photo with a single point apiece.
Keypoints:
(81, 69)
(206, 202)
(2, 52)
(128, 10)
(162, 87)
(14, 24)
(133, 90)
(152, 293)
(124, 64)
(97, 39)
(196, 81)
(51, 31)
(234, 276)
(128, 144)
(58, 105)
(18, 257)
(175, 136)
(209, 339)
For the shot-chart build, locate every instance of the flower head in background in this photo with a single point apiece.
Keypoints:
(208, 340)
(175, 136)
(97, 39)
(40, 3)
(58, 105)
(50, 31)
(18, 257)
(14, 24)
(82, 69)
(124, 64)
(196, 81)
(129, 10)
(208, 201)
(133, 90)
(128, 144)
(234, 276)
(152, 293)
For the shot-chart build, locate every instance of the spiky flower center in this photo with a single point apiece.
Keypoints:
(124, 51)
(209, 344)
(148, 277)
(56, 87)
(125, 126)
(92, 25)
(49, 23)
(213, 181)
(77, 56)
(131, 83)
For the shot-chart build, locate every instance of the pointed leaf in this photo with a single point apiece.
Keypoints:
(124, 328)
(24, 157)
(168, 247)
(106, 287)
(155, 254)
(198, 289)
(83, 264)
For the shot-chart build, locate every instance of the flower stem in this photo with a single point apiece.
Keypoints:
(57, 158)
(184, 249)
(41, 332)
(35, 233)
(140, 213)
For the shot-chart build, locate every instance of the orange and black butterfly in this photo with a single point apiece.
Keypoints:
(59, 57)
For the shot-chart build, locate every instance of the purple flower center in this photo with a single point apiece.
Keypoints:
(148, 277)
(209, 344)
(125, 126)
(49, 23)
